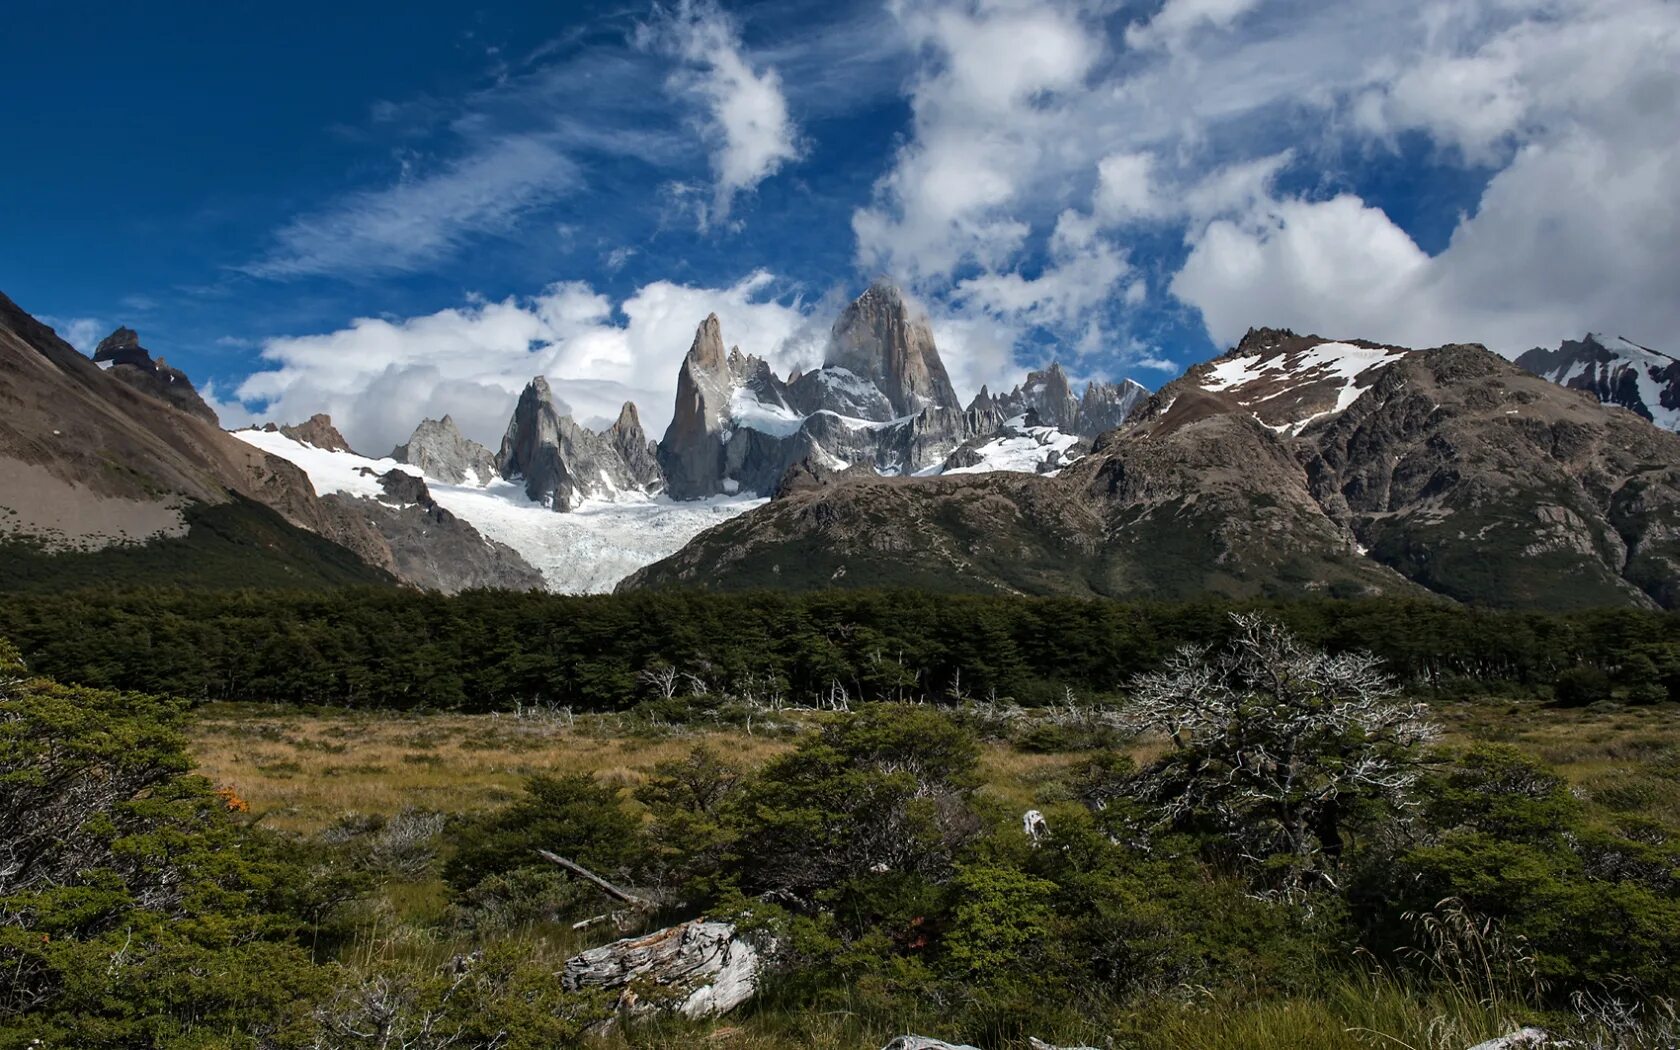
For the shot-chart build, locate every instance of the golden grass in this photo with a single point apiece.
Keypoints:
(302, 770)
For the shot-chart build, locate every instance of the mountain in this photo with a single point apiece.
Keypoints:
(1289, 465)
(881, 398)
(1617, 372)
(441, 451)
(586, 550)
(1048, 395)
(110, 474)
(133, 364)
(562, 463)
(431, 546)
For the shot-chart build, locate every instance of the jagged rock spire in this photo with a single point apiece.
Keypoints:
(879, 340)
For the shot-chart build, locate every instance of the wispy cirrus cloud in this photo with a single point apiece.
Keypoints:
(423, 218)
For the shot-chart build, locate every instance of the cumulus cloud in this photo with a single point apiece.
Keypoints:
(1033, 121)
(749, 132)
(983, 118)
(1578, 230)
(378, 378)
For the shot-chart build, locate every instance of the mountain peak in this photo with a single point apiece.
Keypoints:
(878, 341)
(707, 350)
(120, 344)
(318, 430)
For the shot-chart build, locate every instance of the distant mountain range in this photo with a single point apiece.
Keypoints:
(1289, 465)
(1617, 372)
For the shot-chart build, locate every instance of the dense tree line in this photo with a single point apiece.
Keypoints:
(493, 650)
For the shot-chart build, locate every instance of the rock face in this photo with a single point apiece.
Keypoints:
(696, 969)
(133, 364)
(1290, 465)
(68, 423)
(1048, 396)
(562, 463)
(1105, 406)
(442, 452)
(1617, 372)
(431, 548)
(317, 431)
(882, 399)
(879, 341)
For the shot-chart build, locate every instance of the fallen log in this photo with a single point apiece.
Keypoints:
(696, 969)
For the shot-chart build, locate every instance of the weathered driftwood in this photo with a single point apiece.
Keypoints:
(922, 1042)
(697, 969)
(1521, 1039)
(1035, 826)
(599, 883)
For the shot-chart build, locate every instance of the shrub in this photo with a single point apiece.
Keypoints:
(1580, 686)
(574, 816)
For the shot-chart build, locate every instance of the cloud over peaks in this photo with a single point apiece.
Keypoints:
(744, 117)
(378, 378)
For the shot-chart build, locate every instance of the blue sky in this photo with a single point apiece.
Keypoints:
(387, 211)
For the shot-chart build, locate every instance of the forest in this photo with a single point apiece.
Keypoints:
(392, 649)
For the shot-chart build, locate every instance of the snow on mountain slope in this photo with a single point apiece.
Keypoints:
(1616, 371)
(1018, 448)
(585, 551)
(1290, 381)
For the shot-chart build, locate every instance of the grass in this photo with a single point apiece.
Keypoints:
(303, 769)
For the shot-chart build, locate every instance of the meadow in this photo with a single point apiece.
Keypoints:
(303, 770)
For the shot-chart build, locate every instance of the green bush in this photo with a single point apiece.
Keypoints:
(1580, 686)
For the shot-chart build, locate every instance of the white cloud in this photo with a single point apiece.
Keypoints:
(1177, 19)
(1193, 117)
(1329, 267)
(231, 414)
(1126, 188)
(983, 112)
(1578, 230)
(747, 125)
(83, 333)
(420, 219)
(379, 378)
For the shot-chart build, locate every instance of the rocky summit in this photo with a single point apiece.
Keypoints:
(562, 463)
(881, 399)
(134, 365)
(441, 451)
(1617, 372)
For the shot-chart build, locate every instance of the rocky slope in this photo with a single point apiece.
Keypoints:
(92, 459)
(431, 547)
(1290, 465)
(1617, 372)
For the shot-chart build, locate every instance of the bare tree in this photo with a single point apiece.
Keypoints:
(1276, 748)
(663, 678)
